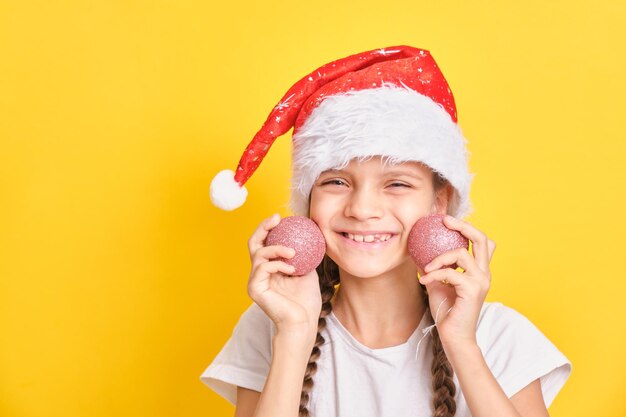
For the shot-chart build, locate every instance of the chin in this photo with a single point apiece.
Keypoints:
(365, 270)
(371, 269)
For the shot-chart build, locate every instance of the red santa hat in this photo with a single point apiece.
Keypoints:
(392, 102)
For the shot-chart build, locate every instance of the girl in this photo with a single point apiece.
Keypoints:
(376, 147)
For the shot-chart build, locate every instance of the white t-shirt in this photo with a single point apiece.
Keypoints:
(354, 380)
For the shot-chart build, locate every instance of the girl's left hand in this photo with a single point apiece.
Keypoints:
(465, 291)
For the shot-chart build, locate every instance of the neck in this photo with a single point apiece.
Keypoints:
(380, 311)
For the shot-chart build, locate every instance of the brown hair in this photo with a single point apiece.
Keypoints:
(443, 385)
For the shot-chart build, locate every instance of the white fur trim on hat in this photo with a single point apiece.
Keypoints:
(225, 192)
(394, 122)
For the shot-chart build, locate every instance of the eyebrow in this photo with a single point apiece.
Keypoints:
(392, 173)
(404, 172)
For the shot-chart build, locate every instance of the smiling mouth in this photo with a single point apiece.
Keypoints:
(376, 238)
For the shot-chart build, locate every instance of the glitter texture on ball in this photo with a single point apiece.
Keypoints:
(429, 238)
(304, 236)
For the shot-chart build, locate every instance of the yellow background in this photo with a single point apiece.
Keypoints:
(120, 282)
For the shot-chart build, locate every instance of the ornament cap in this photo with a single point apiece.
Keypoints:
(225, 192)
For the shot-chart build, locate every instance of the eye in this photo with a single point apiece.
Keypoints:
(333, 182)
(400, 184)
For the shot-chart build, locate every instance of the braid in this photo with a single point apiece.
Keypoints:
(443, 385)
(328, 277)
(444, 404)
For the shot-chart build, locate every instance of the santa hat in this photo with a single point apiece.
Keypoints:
(392, 102)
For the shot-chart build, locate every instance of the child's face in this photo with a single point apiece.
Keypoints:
(365, 198)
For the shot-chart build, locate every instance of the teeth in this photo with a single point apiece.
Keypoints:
(368, 238)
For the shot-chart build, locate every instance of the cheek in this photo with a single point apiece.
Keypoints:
(321, 205)
(313, 203)
(319, 216)
(413, 209)
(317, 212)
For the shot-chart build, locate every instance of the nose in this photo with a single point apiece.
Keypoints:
(363, 204)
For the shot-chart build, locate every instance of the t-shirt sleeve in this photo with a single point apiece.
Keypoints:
(517, 352)
(245, 358)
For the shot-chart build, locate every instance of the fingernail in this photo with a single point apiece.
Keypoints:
(427, 268)
(450, 218)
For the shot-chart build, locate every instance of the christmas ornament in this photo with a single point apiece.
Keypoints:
(304, 236)
(392, 102)
(429, 238)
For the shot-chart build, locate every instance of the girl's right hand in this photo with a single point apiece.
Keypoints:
(292, 302)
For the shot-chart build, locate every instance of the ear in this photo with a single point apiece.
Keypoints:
(442, 199)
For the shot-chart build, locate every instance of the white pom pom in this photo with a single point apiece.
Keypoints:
(225, 191)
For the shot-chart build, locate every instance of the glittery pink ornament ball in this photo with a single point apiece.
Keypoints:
(304, 236)
(429, 238)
